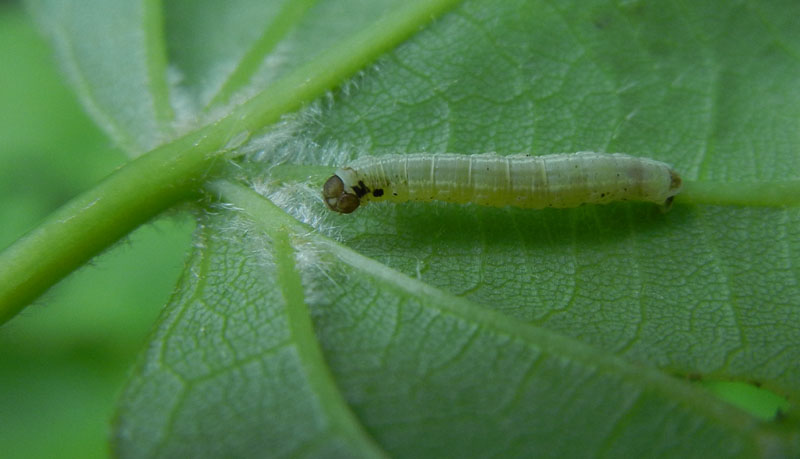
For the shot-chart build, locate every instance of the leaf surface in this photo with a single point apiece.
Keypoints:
(704, 290)
(423, 373)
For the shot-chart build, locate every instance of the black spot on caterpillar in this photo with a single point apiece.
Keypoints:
(534, 182)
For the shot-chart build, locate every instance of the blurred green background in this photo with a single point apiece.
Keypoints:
(64, 359)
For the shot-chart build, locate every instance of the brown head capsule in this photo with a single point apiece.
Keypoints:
(337, 198)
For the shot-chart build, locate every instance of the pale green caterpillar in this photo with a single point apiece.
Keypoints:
(534, 182)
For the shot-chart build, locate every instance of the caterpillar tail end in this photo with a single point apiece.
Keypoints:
(674, 188)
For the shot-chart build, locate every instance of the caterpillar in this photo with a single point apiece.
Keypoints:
(533, 182)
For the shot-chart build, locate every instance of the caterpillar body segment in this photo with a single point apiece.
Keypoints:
(534, 182)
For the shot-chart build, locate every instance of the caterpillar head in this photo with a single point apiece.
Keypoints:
(338, 192)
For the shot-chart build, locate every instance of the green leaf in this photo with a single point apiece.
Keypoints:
(458, 330)
(705, 290)
(422, 372)
(172, 172)
(113, 57)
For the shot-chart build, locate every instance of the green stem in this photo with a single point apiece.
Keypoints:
(157, 63)
(287, 18)
(157, 180)
(94, 220)
(345, 59)
(757, 194)
(333, 404)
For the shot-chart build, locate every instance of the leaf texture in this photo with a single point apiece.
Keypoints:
(454, 329)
